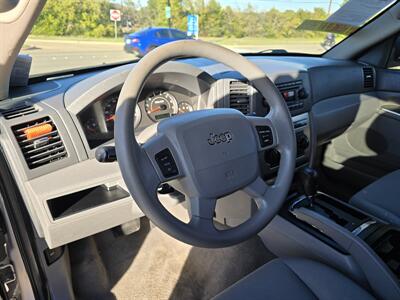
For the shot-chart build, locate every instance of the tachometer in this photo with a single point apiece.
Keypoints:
(160, 105)
(109, 113)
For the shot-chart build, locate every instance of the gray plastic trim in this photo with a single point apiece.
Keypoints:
(382, 281)
(336, 115)
(9, 138)
(285, 239)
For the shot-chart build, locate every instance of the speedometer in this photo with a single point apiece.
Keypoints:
(160, 105)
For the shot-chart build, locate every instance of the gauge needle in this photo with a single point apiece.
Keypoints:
(110, 118)
(155, 110)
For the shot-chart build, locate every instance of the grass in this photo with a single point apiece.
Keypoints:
(254, 41)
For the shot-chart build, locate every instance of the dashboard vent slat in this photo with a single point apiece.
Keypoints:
(369, 78)
(43, 149)
(239, 97)
(19, 111)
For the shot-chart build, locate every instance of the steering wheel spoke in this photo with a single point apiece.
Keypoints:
(265, 197)
(258, 190)
(202, 207)
(201, 212)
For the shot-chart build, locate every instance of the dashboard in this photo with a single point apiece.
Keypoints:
(56, 170)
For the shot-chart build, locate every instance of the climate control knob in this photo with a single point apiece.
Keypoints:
(302, 141)
(302, 93)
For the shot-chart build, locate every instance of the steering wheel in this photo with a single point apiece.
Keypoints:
(205, 154)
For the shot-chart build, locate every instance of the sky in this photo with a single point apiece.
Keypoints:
(283, 4)
(278, 4)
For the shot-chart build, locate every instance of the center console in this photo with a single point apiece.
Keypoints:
(372, 245)
(318, 226)
(298, 100)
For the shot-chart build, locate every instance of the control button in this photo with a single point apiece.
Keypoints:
(265, 136)
(166, 163)
(299, 124)
(289, 95)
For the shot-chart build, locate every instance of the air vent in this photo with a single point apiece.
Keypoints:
(239, 97)
(18, 111)
(369, 80)
(40, 142)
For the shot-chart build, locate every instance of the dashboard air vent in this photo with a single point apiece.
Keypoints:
(40, 142)
(19, 111)
(239, 97)
(369, 80)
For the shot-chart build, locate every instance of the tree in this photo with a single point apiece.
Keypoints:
(91, 18)
(74, 17)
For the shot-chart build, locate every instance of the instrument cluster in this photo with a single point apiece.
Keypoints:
(97, 120)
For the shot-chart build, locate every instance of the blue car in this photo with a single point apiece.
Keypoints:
(142, 42)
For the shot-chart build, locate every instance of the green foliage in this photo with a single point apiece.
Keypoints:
(91, 18)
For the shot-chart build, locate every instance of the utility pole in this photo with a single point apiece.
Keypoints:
(168, 12)
(122, 14)
(329, 7)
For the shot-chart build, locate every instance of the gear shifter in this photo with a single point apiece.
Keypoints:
(308, 177)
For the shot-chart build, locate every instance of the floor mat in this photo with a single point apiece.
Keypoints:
(152, 265)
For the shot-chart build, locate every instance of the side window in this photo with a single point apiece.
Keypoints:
(179, 34)
(163, 33)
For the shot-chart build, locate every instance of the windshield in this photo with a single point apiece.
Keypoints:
(74, 34)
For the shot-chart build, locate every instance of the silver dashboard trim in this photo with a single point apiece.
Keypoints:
(391, 112)
(363, 227)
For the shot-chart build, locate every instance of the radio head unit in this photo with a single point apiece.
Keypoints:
(294, 94)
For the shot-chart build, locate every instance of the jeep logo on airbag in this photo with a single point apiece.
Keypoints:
(225, 137)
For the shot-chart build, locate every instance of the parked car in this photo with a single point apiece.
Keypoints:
(142, 42)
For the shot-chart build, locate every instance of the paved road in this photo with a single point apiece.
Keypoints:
(54, 55)
(51, 56)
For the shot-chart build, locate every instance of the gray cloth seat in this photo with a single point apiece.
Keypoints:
(294, 278)
(381, 198)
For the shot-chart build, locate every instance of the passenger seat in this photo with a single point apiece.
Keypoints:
(381, 198)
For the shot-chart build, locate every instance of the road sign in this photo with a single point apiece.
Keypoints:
(115, 15)
(193, 26)
(168, 12)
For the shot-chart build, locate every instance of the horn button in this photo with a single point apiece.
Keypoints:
(220, 149)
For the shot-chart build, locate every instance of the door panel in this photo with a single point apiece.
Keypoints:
(370, 150)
